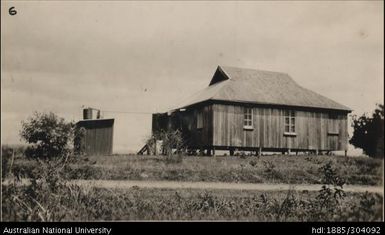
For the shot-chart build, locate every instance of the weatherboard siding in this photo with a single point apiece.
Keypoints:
(314, 129)
(98, 141)
(98, 138)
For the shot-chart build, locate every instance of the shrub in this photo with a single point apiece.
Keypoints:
(41, 199)
(330, 175)
(271, 171)
(287, 207)
(49, 136)
(369, 132)
(253, 163)
(367, 209)
(269, 166)
(328, 201)
(170, 140)
(7, 158)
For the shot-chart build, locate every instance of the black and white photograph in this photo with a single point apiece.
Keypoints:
(192, 111)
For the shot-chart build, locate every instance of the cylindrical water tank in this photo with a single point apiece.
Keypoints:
(87, 113)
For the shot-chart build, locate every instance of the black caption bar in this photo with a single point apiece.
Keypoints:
(109, 228)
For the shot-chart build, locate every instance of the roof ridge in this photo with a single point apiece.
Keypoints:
(223, 67)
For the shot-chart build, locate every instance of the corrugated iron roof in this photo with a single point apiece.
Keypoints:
(260, 87)
(96, 123)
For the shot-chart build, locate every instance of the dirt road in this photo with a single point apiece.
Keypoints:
(124, 184)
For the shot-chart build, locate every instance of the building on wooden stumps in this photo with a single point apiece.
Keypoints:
(254, 110)
(97, 135)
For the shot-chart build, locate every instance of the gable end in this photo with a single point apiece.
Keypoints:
(219, 76)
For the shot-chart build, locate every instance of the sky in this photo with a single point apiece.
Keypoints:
(145, 57)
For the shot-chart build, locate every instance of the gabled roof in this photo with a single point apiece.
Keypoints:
(260, 87)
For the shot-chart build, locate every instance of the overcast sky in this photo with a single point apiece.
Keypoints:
(147, 56)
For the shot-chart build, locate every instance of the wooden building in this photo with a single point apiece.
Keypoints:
(253, 110)
(97, 138)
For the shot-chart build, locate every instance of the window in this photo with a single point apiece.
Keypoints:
(248, 118)
(289, 121)
(199, 120)
(333, 124)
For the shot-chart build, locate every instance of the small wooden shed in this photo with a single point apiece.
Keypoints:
(255, 110)
(97, 138)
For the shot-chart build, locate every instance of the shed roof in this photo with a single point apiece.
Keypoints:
(260, 87)
(95, 123)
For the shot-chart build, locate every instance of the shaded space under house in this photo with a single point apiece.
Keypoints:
(254, 110)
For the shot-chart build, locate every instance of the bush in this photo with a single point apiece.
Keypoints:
(253, 163)
(7, 158)
(369, 132)
(170, 140)
(42, 198)
(49, 136)
(328, 200)
(330, 175)
(367, 209)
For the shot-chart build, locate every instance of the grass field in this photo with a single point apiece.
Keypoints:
(265, 169)
(91, 204)
(50, 198)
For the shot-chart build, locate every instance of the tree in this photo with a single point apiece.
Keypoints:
(369, 132)
(49, 136)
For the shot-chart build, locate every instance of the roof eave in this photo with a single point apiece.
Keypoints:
(348, 110)
(218, 101)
